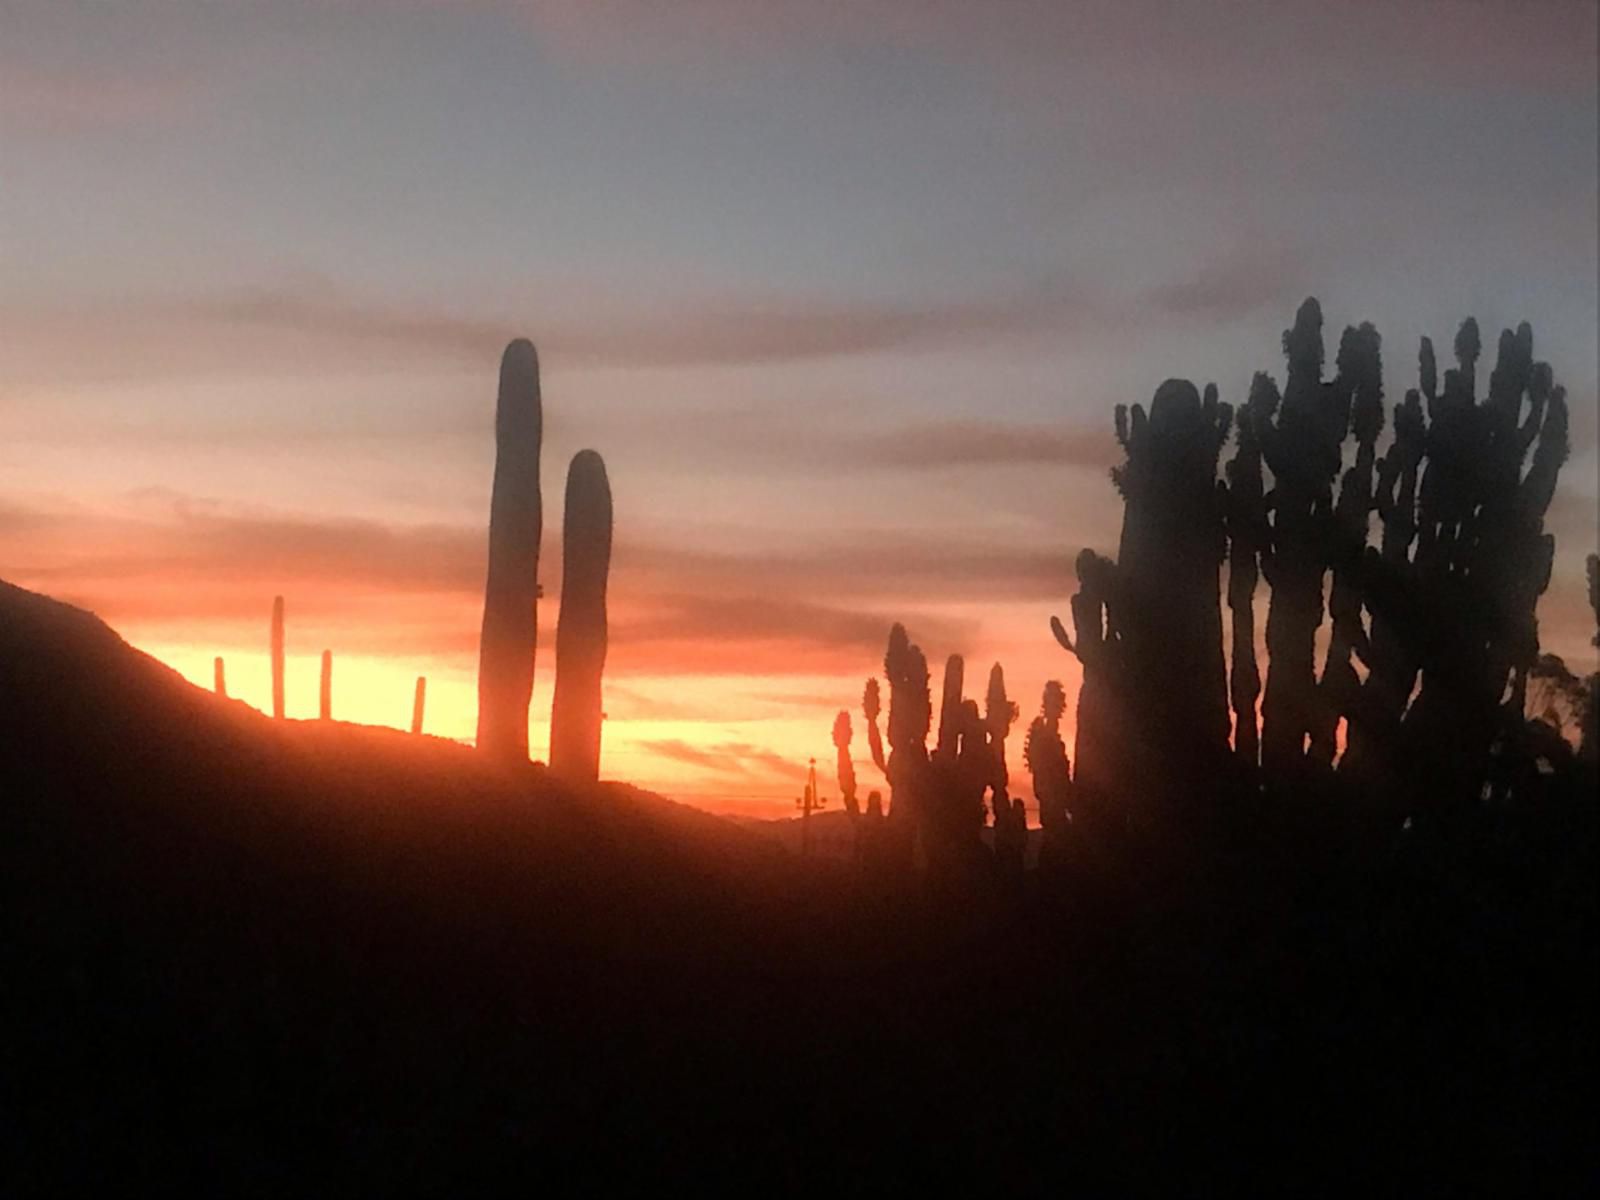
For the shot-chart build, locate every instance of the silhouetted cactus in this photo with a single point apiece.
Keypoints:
(1168, 589)
(575, 715)
(1302, 449)
(510, 603)
(845, 768)
(1392, 655)
(871, 705)
(1358, 389)
(1103, 735)
(949, 740)
(1044, 753)
(1482, 559)
(1247, 530)
(219, 681)
(1592, 566)
(999, 715)
(277, 657)
(418, 701)
(1589, 747)
(906, 768)
(325, 689)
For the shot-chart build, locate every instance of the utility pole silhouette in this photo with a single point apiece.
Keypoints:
(807, 804)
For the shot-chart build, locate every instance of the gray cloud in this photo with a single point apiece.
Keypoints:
(309, 328)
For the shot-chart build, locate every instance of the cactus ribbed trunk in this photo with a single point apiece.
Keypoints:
(325, 691)
(1169, 591)
(910, 715)
(1302, 450)
(843, 767)
(1247, 538)
(950, 710)
(575, 714)
(417, 702)
(511, 592)
(277, 657)
(219, 679)
(1359, 388)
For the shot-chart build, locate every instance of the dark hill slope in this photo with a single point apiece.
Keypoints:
(285, 957)
(266, 943)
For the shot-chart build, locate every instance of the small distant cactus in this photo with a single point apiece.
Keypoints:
(581, 633)
(325, 693)
(511, 592)
(277, 657)
(417, 702)
(219, 680)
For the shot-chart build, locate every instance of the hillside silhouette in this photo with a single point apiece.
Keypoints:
(269, 954)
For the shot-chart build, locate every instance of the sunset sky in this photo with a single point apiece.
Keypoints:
(843, 292)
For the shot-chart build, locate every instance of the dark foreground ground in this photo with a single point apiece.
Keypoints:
(285, 957)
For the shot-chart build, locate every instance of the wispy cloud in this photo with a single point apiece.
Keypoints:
(395, 589)
(56, 101)
(304, 328)
(1171, 45)
(727, 758)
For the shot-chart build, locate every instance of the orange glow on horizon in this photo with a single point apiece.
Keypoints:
(661, 732)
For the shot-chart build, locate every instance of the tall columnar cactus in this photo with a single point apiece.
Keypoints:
(1358, 388)
(510, 601)
(949, 740)
(1168, 573)
(1045, 755)
(871, 706)
(999, 715)
(418, 700)
(1103, 704)
(1482, 555)
(575, 715)
(219, 680)
(845, 768)
(1589, 747)
(1247, 539)
(325, 691)
(1302, 449)
(277, 657)
(910, 715)
(1392, 655)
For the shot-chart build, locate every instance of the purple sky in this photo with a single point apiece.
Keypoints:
(844, 293)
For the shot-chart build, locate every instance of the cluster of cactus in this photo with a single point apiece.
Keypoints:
(1443, 607)
(511, 593)
(510, 610)
(937, 799)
